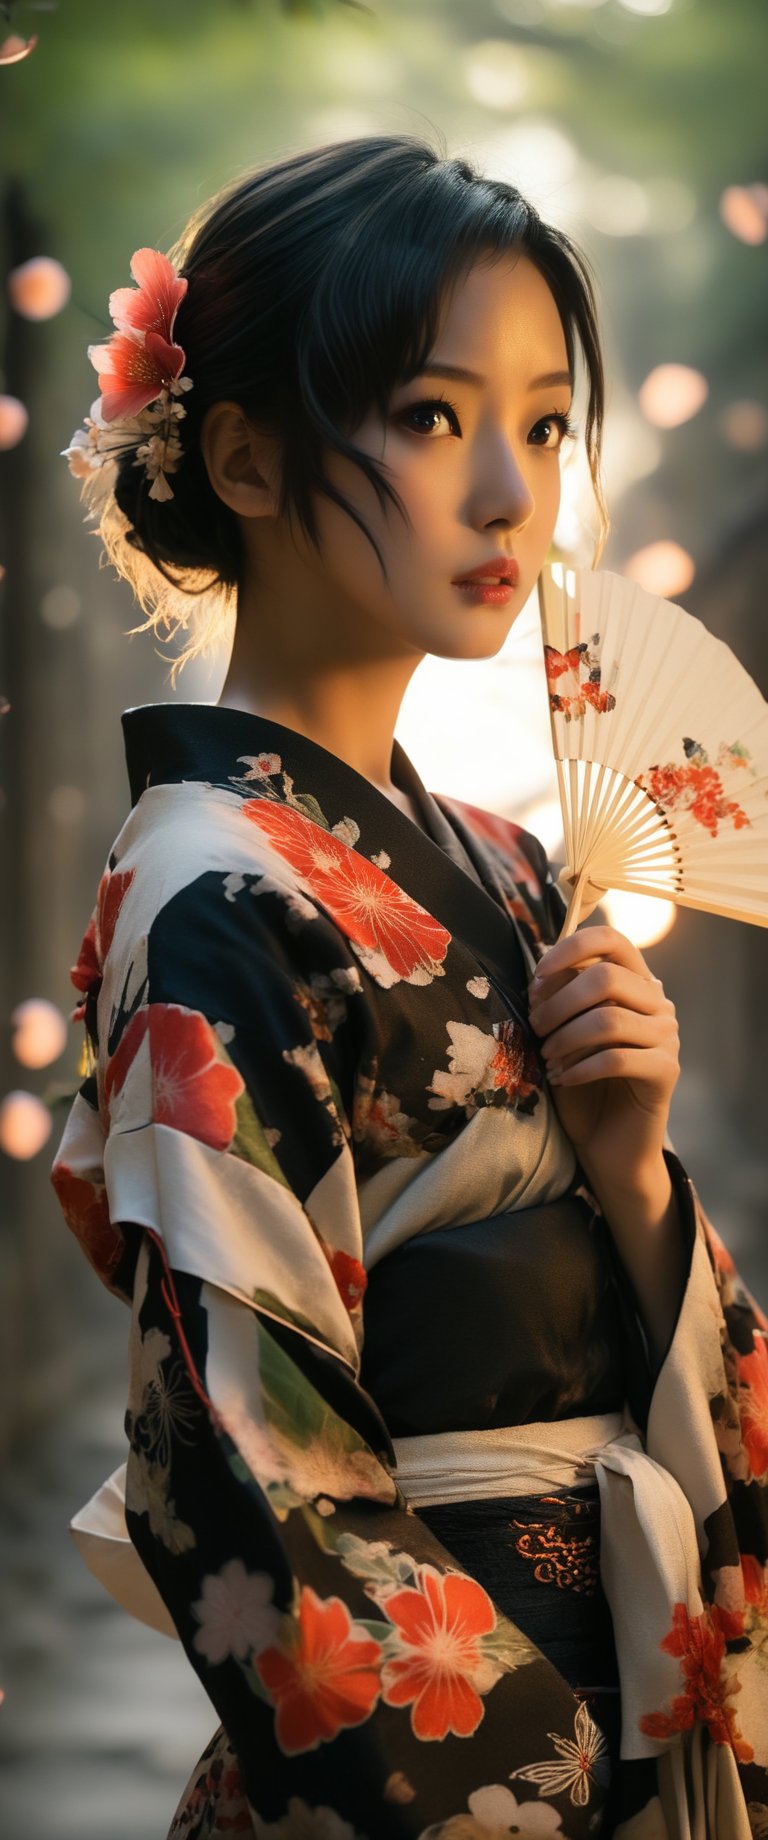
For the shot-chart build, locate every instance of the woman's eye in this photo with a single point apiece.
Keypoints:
(435, 406)
(563, 427)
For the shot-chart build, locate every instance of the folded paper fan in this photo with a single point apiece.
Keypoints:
(661, 743)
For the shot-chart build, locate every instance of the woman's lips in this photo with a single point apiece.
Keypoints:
(501, 569)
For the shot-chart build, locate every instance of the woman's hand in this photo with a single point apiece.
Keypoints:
(610, 1042)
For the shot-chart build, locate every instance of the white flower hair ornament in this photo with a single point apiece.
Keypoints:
(141, 380)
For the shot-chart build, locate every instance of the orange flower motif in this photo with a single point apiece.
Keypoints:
(86, 1210)
(193, 1089)
(370, 908)
(326, 1681)
(753, 1406)
(699, 1641)
(442, 1670)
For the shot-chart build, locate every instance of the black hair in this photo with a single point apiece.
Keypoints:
(316, 285)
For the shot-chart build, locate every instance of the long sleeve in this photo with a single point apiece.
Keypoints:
(351, 1663)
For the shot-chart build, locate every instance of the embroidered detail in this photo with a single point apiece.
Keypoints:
(570, 1562)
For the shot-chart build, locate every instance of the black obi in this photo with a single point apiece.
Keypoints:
(523, 1317)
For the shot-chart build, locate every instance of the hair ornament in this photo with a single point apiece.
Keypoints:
(141, 378)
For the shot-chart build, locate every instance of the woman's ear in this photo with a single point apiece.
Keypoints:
(242, 461)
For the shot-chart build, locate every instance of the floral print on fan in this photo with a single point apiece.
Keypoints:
(698, 787)
(574, 679)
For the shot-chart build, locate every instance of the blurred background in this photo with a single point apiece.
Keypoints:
(637, 125)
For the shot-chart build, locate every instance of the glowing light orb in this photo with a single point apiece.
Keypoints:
(40, 1032)
(60, 607)
(25, 1125)
(663, 568)
(14, 48)
(745, 425)
(14, 421)
(39, 288)
(672, 394)
(744, 211)
(643, 918)
(496, 74)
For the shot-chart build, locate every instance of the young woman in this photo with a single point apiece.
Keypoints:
(447, 1416)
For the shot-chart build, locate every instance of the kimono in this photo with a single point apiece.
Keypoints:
(315, 1153)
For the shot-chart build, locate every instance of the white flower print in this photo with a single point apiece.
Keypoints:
(585, 1762)
(235, 1613)
(498, 1811)
(470, 1051)
(478, 986)
(303, 1823)
(260, 766)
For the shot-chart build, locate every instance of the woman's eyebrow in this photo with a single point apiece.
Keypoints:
(436, 368)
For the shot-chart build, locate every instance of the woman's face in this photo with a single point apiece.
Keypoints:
(478, 473)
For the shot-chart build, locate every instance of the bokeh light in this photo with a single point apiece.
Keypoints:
(14, 48)
(14, 421)
(25, 1125)
(744, 211)
(60, 607)
(745, 425)
(650, 8)
(66, 805)
(672, 394)
(643, 918)
(618, 206)
(663, 568)
(39, 1032)
(497, 74)
(39, 288)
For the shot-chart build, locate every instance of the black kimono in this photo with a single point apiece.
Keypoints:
(315, 1151)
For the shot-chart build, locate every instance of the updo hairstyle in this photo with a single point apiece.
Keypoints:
(316, 286)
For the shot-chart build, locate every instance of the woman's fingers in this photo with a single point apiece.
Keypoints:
(596, 1031)
(606, 983)
(650, 1067)
(593, 943)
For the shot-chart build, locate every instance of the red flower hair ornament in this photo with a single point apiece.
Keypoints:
(141, 378)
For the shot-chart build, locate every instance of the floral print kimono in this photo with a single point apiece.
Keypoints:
(315, 1153)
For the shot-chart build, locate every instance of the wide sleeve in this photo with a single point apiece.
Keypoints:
(354, 1667)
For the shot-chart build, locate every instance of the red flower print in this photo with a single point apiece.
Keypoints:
(111, 894)
(99, 933)
(514, 1067)
(442, 1665)
(753, 1406)
(193, 1089)
(86, 974)
(369, 907)
(326, 1680)
(755, 1584)
(351, 1277)
(86, 1210)
(699, 1641)
(697, 789)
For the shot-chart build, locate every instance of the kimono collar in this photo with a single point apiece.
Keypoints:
(445, 870)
